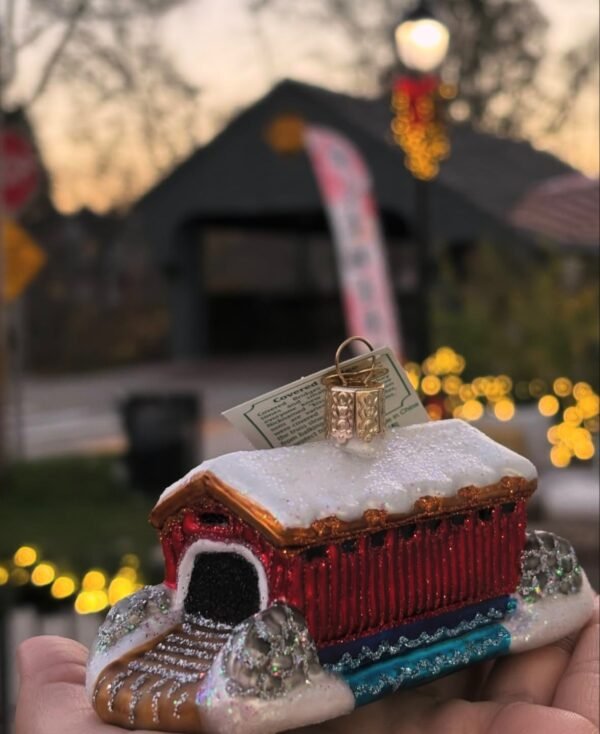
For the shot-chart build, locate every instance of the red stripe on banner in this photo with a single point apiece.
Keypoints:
(347, 192)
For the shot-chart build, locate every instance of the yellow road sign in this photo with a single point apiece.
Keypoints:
(23, 259)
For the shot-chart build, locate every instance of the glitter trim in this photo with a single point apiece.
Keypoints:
(386, 649)
(424, 665)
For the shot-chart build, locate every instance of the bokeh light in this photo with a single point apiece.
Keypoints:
(548, 405)
(91, 602)
(43, 574)
(560, 456)
(431, 385)
(472, 410)
(562, 387)
(63, 587)
(25, 556)
(504, 409)
(119, 588)
(94, 581)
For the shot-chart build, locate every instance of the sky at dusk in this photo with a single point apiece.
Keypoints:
(235, 58)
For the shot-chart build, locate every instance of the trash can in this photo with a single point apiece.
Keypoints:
(162, 433)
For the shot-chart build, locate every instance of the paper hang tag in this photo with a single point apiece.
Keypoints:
(295, 413)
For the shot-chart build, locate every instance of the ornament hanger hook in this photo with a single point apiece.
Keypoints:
(338, 355)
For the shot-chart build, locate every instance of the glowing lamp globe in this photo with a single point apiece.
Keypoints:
(422, 40)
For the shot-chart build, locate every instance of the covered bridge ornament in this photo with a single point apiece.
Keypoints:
(304, 581)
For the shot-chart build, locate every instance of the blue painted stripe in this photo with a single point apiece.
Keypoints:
(426, 664)
(406, 637)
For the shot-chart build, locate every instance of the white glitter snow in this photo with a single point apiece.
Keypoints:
(301, 484)
(151, 628)
(324, 696)
(550, 619)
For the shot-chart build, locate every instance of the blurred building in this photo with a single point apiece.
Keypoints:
(240, 233)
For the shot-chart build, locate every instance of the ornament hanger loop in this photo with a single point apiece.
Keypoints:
(369, 371)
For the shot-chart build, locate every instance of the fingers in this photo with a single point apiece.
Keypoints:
(51, 659)
(522, 718)
(458, 717)
(534, 676)
(578, 687)
(531, 676)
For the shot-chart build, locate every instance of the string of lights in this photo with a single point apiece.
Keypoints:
(94, 592)
(576, 406)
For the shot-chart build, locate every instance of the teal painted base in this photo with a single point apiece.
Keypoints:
(427, 663)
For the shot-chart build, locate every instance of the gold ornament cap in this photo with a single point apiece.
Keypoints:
(355, 400)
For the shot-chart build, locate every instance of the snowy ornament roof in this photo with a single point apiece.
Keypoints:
(432, 467)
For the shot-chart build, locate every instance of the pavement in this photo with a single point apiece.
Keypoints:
(79, 414)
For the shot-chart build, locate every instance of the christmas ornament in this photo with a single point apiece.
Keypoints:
(304, 581)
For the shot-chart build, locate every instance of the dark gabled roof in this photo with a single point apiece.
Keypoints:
(239, 176)
(563, 209)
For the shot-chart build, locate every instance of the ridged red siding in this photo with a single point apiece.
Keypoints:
(347, 593)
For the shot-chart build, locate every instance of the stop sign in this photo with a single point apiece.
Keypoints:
(19, 171)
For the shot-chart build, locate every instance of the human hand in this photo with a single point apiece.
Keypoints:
(552, 690)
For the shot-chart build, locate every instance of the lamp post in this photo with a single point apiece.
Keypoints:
(422, 44)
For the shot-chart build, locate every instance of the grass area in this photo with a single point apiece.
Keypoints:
(78, 512)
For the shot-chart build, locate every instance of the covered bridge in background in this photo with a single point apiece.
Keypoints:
(240, 232)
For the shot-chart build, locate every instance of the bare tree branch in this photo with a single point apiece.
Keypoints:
(58, 51)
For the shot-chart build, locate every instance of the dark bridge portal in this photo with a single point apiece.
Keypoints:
(223, 587)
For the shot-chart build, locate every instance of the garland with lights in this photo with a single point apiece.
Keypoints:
(418, 127)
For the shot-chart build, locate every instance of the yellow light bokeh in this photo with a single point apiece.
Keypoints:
(584, 450)
(504, 409)
(582, 389)
(466, 392)
(472, 410)
(572, 416)
(91, 602)
(43, 574)
(552, 435)
(63, 587)
(560, 456)
(548, 405)
(506, 383)
(562, 386)
(94, 581)
(451, 384)
(25, 556)
(4, 576)
(119, 588)
(431, 385)
(589, 405)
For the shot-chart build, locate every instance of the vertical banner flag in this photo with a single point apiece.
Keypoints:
(346, 188)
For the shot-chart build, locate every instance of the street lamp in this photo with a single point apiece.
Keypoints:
(421, 40)
(422, 44)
